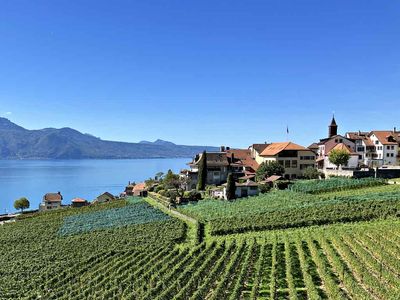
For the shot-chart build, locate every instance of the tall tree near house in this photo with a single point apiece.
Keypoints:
(339, 157)
(230, 188)
(21, 203)
(267, 169)
(202, 175)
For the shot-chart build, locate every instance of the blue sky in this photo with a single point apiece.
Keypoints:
(201, 72)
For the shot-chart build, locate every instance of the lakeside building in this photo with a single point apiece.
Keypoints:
(51, 201)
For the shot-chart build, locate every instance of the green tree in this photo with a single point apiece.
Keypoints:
(21, 203)
(159, 176)
(175, 182)
(230, 188)
(202, 174)
(267, 169)
(339, 157)
(311, 173)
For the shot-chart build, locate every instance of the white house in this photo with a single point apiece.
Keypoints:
(386, 144)
(248, 188)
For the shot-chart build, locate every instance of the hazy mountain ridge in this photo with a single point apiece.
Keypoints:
(17, 142)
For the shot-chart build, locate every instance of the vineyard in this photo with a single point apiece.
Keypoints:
(287, 209)
(281, 245)
(339, 263)
(334, 184)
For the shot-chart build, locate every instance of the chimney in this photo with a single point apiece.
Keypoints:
(222, 148)
(59, 192)
(394, 129)
(228, 148)
(232, 156)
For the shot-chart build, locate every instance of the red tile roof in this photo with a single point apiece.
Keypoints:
(244, 155)
(139, 187)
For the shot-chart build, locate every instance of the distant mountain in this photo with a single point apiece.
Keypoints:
(17, 142)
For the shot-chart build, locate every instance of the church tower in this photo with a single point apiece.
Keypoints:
(333, 127)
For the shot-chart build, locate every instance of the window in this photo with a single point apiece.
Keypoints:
(388, 147)
(360, 149)
(360, 157)
(391, 154)
(392, 147)
(294, 163)
(387, 154)
(376, 142)
(287, 163)
(280, 162)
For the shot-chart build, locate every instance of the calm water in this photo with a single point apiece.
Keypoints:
(74, 178)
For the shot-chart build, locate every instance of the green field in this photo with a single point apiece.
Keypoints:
(130, 250)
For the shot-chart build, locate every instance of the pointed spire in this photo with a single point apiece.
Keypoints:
(333, 122)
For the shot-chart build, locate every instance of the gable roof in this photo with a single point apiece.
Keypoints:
(344, 147)
(384, 135)
(244, 156)
(107, 194)
(213, 159)
(275, 148)
(53, 197)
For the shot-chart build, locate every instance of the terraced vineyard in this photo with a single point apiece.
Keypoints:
(146, 254)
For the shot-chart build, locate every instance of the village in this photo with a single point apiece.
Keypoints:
(236, 173)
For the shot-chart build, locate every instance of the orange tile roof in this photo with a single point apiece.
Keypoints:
(275, 148)
(342, 146)
(383, 135)
(80, 200)
(139, 186)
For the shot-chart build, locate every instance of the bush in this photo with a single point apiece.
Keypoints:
(264, 188)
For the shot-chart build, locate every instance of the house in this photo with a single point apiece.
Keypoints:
(79, 202)
(256, 150)
(51, 201)
(377, 148)
(219, 165)
(105, 197)
(245, 189)
(351, 164)
(326, 145)
(129, 189)
(386, 144)
(140, 190)
(294, 158)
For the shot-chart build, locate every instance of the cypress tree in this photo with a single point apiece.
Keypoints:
(202, 175)
(230, 188)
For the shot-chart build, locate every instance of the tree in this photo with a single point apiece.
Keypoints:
(159, 176)
(175, 182)
(230, 188)
(339, 157)
(267, 169)
(202, 174)
(311, 173)
(21, 203)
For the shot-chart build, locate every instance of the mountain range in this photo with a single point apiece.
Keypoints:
(17, 142)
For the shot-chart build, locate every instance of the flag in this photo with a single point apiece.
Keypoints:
(287, 129)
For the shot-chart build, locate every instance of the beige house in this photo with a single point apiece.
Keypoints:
(51, 201)
(294, 158)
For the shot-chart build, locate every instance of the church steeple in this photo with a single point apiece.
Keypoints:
(333, 127)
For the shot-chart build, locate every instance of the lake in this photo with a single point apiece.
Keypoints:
(74, 178)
